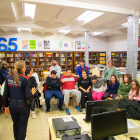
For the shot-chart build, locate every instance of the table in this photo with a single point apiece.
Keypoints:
(85, 127)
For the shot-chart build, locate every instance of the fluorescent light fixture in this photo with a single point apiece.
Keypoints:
(29, 10)
(126, 23)
(24, 29)
(88, 16)
(64, 31)
(97, 33)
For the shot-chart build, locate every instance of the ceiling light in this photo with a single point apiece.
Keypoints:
(88, 16)
(126, 23)
(97, 33)
(29, 10)
(24, 29)
(64, 31)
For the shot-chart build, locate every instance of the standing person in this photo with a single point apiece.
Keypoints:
(53, 89)
(112, 88)
(3, 72)
(68, 88)
(110, 70)
(80, 68)
(125, 87)
(33, 84)
(97, 87)
(84, 86)
(56, 68)
(134, 93)
(18, 90)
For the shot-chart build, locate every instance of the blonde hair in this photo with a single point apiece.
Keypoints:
(18, 66)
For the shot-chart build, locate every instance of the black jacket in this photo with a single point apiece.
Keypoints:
(53, 84)
(33, 82)
(3, 73)
(132, 108)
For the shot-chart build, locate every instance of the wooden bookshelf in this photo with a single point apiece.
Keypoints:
(102, 58)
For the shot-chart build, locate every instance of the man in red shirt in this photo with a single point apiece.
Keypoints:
(68, 88)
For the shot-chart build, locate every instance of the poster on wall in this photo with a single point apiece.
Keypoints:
(25, 44)
(39, 44)
(46, 44)
(66, 44)
(32, 44)
(83, 45)
(72, 45)
(77, 44)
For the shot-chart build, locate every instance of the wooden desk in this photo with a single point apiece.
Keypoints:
(85, 127)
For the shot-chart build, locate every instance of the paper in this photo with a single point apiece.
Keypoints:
(68, 119)
(32, 44)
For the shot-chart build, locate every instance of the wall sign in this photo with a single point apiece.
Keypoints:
(4, 47)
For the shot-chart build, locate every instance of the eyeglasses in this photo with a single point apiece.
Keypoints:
(133, 84)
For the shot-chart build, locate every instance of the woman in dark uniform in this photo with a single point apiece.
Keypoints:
(17, 90)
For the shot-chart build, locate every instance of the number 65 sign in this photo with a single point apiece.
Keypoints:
(10, 43)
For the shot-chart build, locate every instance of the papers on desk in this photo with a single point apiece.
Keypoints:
(67, 119)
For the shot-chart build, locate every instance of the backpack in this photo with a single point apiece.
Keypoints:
(45, 88)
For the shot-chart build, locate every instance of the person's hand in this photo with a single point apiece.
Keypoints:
(49, 87)
(121, 97)
(87, 91)
(111, 95)
(84, 90)
(33, 90)
(77, 76)
(63, 81)
(131, 98)
(7, 110)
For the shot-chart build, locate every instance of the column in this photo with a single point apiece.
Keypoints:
(132, 43)
(86, 48)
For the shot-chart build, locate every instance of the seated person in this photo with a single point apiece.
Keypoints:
(97, 87)
(125, 87)
(80, 68)
(134, 93)
(84, 86)
(36, 95)
(68, 88)
(112, 88)
(53, 89)
(56, 68)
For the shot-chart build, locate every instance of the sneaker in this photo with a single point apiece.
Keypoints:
(67, 111)
(84, 110)
(78, 108)
(60, 109)
(47, 110)
(33, 115)
(41, 100)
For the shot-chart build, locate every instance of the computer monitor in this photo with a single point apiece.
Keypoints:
(108, 124)
(95, 107)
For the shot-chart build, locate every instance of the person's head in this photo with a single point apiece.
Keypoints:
(28, 73)
(68, 72)
(19, 67)
(113, 79)
(110, 64)
(94, 79)
(135, 86)
(127, 78)
(4, 64)
(53, 74)
(82, 63)
(54, 62)
(84, 73)
(32, 70)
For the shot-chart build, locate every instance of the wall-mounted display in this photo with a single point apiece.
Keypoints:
(32, 44)
(77, 44)
(46, 44)
(25, 44)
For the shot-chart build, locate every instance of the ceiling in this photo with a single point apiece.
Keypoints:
(50, 18)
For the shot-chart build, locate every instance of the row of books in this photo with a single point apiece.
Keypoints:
(10, 60)
(41, 55)
(2, 59)
(18, 55)
(41, 68)
(62, 63)
(62, 59)
(34, 54)
(69, 55)
(48, 54)
(41, 60)
(34, 59)
(42, 63)
(34, 63)
(49, 63)
(10, 55)
(10, 64)
(2, 54)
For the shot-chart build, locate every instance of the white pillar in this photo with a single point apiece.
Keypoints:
(87, 48)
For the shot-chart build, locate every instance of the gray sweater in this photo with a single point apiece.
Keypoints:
(57, 69)
(99, 83)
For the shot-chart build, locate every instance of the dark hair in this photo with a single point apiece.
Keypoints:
(53, 72)
(32, 68)
(55, 60)
(110, 82)
(129, 76)
(85, 71)
(27, 72)
(94, 77)
(82, 61)
(137, 87)
(68, 70)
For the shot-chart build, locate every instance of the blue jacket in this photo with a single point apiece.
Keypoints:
(79, 70)
(3, 73)
(17, 92)
(113, 89)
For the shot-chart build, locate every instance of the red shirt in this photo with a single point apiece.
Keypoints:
(69, 82)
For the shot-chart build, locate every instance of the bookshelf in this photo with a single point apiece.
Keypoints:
(34, 59)
(102, 58)
(2, 57)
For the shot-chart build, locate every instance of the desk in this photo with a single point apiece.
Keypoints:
(85, 127)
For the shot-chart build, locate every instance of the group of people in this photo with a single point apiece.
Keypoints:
(20, 89)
